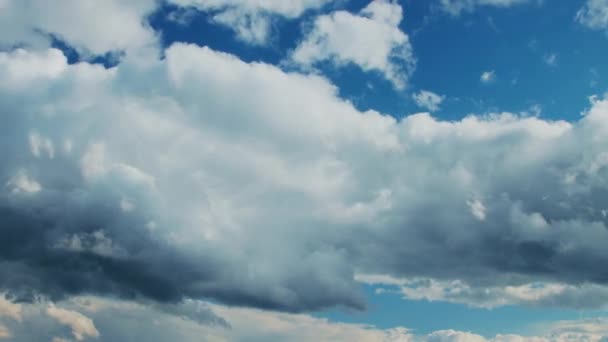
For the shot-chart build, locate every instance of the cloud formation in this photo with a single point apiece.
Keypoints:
(251, 20)
(117, 320)
(153, 183)
(371, 40)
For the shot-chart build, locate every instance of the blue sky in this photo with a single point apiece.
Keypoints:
(331, 170)
(452, 52)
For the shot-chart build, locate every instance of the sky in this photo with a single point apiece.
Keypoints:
(304, 170)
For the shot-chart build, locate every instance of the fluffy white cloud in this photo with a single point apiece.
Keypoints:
(370, 39)
(91, 27)
(428, 100)
(456, 7)
(251, 20)
(594, 14)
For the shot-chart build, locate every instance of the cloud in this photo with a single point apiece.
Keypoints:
(275, 202)
(78, 23)
(456, 7)
(4, 332)
(371, 39)
(539, 294)
(9, 309)
(117, 320)
(487, 76)
(251, 20)
(82, 326)
(594, 14)
(428, 100)
(550, 59)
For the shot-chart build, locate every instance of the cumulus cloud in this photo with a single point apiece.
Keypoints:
(91, 27)
(149, 181)
(456, 7)
(251, 20)
(428, 100)
(594, 14)
(227, 196)
(371, 39)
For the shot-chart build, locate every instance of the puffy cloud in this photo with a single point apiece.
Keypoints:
(372, 40)
(91, 27)
(456, 7)
(428, 100)
(276, 201)
(594, 14)
(251, 19)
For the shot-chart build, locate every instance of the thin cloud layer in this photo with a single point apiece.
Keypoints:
(456, 7)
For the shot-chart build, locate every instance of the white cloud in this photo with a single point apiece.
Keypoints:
(371, 40)
(428, 100)
(251, 20)
(82, 326)
(91, 27)
(362, 191)
(456, 7)
(594, 14)
(487, 76)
